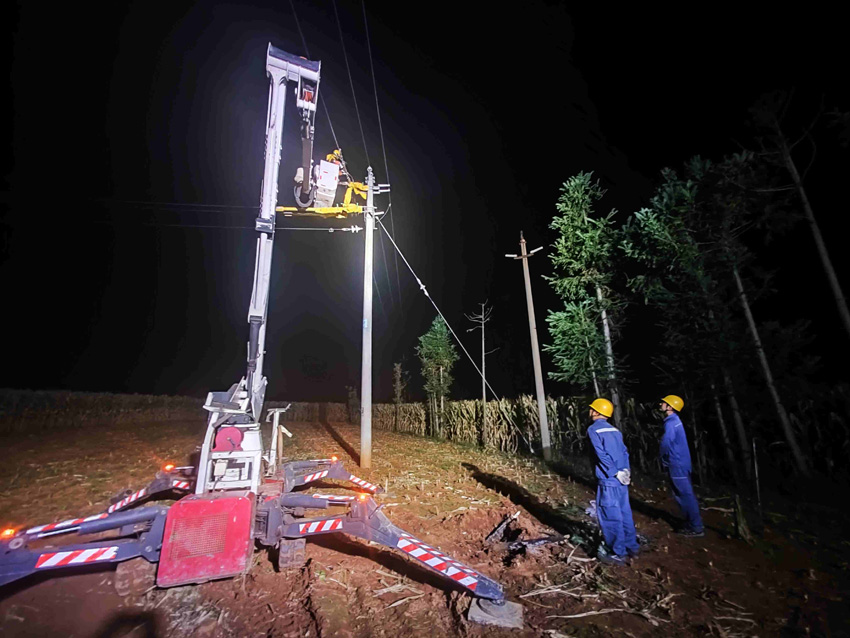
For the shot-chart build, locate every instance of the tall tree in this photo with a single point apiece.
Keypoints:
(582, 332)
(437, 355)
(669, 242)
(690, 241)
(769, 112)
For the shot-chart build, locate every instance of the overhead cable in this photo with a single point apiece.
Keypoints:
(448, 325)
(383, 146)
(351, 81)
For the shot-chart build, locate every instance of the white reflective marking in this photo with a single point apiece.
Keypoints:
(467, 581)
(55, 559)
(600, 430)
(82, 558)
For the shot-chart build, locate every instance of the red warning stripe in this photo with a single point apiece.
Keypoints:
(320, 526)
(69, 523)
(130, 499)
(76, 557)
(439, 561)
(362, 483)
(315, 476)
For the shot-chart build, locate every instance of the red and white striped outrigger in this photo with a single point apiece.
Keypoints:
(275, 521)
(169, 480)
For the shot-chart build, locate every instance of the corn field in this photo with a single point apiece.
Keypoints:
(512, 424)
(39, 410)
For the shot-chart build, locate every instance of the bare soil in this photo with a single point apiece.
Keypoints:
(791, 580)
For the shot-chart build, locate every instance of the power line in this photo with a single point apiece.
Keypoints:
(351, 81)
(383, 146)
(448, 325)
(136, 202)
(75, 223)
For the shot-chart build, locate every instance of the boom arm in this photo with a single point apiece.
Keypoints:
(281, 68)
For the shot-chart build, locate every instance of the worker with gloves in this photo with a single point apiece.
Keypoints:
(676, 459)
(612, 493)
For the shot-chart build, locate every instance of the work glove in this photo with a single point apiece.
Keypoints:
(624, 476)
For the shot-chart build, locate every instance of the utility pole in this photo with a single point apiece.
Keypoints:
(482, 318)
(535, 350)
(366, 367)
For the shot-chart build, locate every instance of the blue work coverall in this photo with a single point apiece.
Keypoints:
(676, 459)
(612, 497)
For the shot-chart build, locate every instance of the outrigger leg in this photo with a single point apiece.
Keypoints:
(365, 520)
(297, 473)
(18, 560)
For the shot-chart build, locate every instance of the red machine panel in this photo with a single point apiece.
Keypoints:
(206, 537)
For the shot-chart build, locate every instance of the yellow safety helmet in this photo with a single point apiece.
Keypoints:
(674, 402)
(603, 406)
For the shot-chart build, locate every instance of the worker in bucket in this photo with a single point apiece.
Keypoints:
(612, 492)
(676, 459)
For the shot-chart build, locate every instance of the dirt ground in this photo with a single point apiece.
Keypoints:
(791, 580)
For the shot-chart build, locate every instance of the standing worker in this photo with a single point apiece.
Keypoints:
(676, 459)
(612, 493)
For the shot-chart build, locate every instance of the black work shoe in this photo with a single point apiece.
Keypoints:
(613, 559)
(633, 553)
(691, 533)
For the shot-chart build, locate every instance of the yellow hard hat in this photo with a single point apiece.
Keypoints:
(603, 406)
(674, 402)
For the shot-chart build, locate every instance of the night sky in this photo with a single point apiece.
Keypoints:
(131, 177)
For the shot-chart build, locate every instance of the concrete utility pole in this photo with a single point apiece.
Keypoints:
(535, 350)
(366, 367)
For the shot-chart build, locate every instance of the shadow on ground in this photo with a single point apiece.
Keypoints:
(345, 445)
(141, 624)
(387, 559)
(566, 471)
(557, 519)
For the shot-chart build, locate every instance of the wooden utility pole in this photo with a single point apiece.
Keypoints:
(535, 350)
